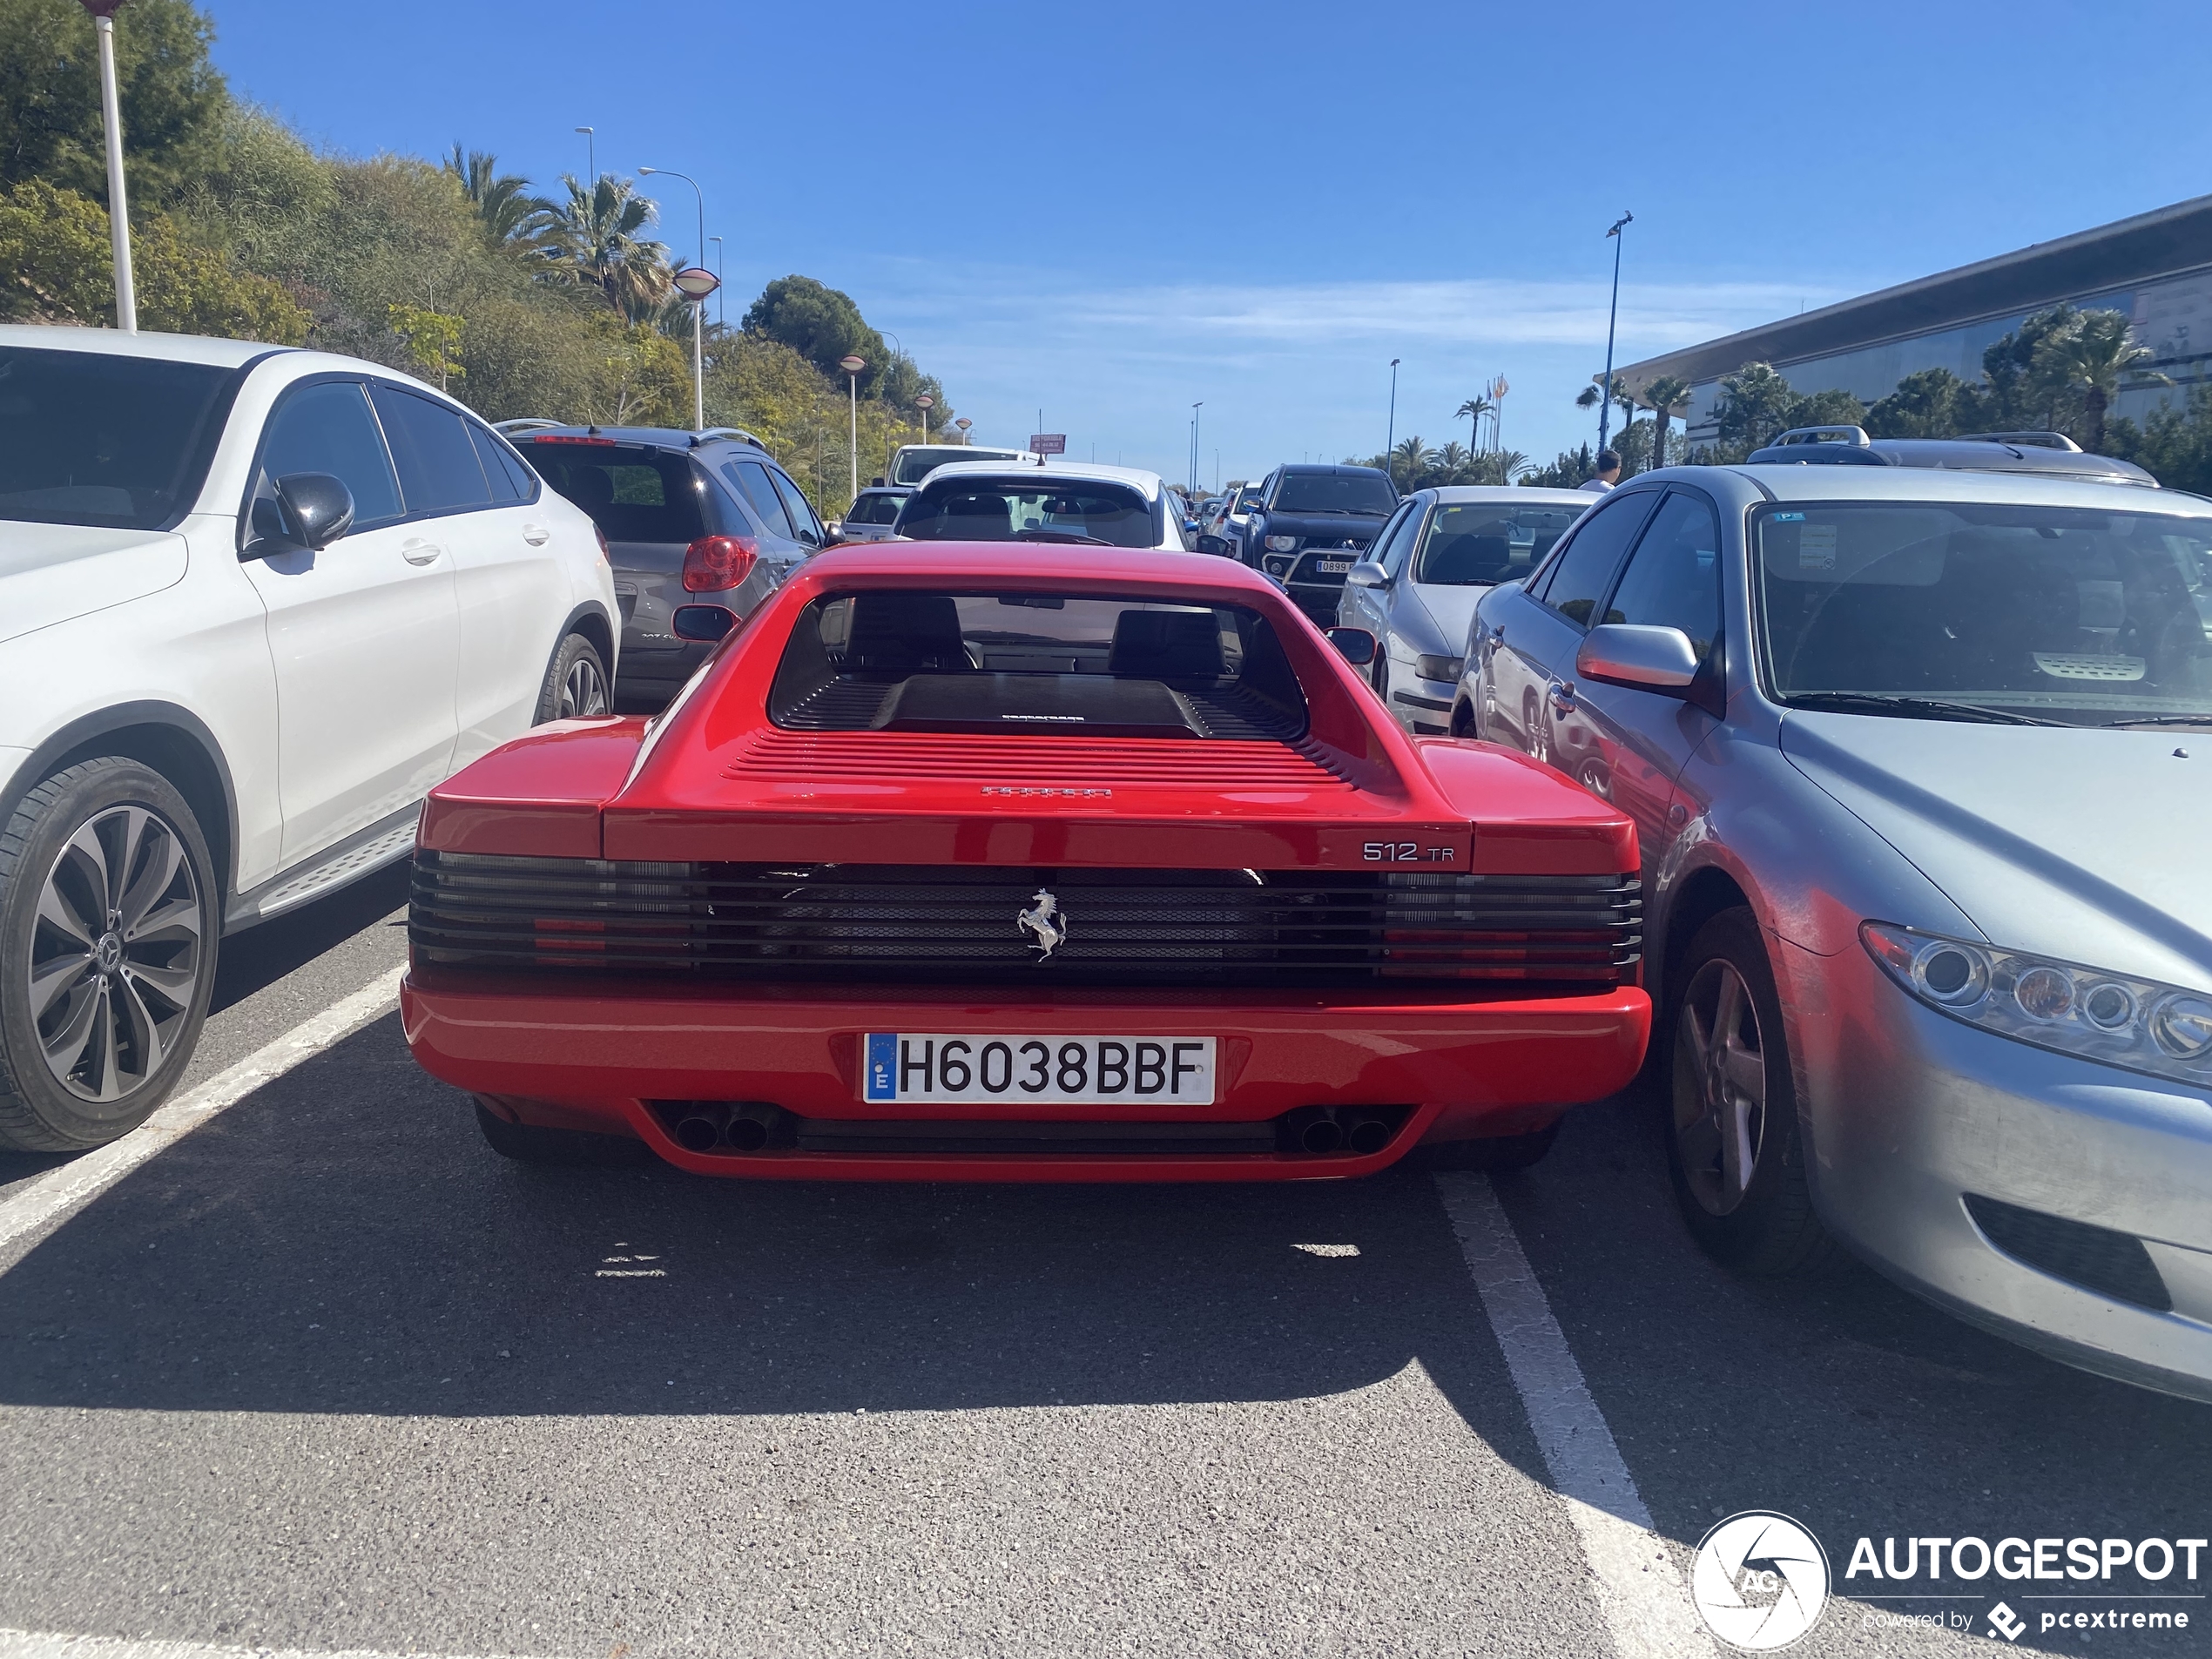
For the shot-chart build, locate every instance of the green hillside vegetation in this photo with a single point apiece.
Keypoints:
(516, 301)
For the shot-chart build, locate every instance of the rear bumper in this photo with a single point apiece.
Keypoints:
(591, 1055)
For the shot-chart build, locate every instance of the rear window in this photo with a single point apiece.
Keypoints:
(993, 510)
(632, 493)
(915, 463)
(874, 509)
(121, 443)
(1074, 665)
(1471, 544)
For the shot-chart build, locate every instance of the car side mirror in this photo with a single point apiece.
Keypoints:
(1650, 659)
(1355, 645)
(835, 538)
(1214, 544)
(705, 623)
(316, 508)
(1367, 574)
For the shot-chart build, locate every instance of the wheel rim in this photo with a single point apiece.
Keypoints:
(1720, 1088)
(117, 953)
(584, 688)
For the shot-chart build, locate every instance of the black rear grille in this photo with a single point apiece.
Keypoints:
(954, 924)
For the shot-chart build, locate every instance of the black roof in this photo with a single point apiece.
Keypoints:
(654, 437)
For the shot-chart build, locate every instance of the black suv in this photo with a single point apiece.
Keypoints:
(1310, 525)
(690, 519)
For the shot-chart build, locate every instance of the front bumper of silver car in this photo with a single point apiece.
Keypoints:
(2065, 1204)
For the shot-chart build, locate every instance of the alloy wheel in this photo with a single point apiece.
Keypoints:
(116, 953)
(1719, 1087)
(584, 688)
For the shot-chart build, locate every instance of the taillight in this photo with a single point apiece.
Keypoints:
(606, 557)
(714, 562)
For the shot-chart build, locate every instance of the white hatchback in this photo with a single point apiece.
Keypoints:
(255, 604)
(1072, 502)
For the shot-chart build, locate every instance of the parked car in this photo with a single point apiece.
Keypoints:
(690, 518)
(1076, 502)
(1917, 758)
(254, 602)
(915, 461)
(1310, 524)
(1049, 869)
(1415, 589)
(872, 514)
(2051, 453)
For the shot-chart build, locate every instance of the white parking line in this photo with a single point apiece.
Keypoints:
(1640, 1589)
(80, 1180)
(36, 1644)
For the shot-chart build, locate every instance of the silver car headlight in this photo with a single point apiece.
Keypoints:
(2165, 1030)
(1282, 543)
(1438, 668)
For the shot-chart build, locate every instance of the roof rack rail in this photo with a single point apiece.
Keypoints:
(737, 432)
(1850, 435)
(2039, 439)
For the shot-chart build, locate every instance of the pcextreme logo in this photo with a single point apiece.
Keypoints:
(1760, 1581)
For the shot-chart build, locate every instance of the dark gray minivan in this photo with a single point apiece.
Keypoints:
(690, 519)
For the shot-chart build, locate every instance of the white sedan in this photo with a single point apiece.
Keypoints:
(255, 604)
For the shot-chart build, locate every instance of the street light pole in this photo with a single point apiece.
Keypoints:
(721, 309)
(1390, 442)
(590, 155)
(925, 403)
(1195, 408)
(853, 366)
(698, 306)
(1605, 389)
(118, 205)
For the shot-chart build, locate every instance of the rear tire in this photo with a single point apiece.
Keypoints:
(109, 920)
(1735, 1150)
(562, 1147)
(576, 684)
(1499, 1154)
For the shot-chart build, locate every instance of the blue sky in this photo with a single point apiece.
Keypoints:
(1110, 212)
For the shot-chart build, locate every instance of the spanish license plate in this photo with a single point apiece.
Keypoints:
(1335, 567)
(936, 1069)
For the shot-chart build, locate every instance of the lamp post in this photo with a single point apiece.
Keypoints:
(721, 311)
(964, 423)
(1195, 408)
(1605, 387)
(695, 282)
(590, 154)
(925, 403)
(853, 366)
(1390, 441)
(118, 205)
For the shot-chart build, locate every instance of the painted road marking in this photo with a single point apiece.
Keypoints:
(77, 1182)
(1641, 1590)
(35, 1644)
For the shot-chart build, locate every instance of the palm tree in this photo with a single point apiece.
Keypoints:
(1499, 467)
(1473, 411)
(1454, 464)
(513, 217)
(1664, 396)
(2091, 359)
(597, 238)
(1408, 461)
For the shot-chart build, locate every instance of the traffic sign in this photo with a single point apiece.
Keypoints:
(1047, 443)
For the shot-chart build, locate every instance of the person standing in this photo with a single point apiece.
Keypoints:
(1608, 474)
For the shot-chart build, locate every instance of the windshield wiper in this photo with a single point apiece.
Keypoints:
(1061, 535)
(2156, 719)
(1918, 708)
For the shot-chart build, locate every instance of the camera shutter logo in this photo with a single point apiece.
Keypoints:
(1760, 1581)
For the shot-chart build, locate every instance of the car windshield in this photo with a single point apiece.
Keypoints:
(1321, 492)
(1008, 509)
(914, 464)
(1055, 665)
(1475, 544)
(873, 509)
(633, 493)
(2083, 616)
(97, 439)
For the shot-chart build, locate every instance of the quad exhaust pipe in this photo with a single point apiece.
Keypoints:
(719, 1126)
(1325, 1132)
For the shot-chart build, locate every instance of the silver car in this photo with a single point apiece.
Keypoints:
(1435, 556)
(1922, 764)
(872, 514)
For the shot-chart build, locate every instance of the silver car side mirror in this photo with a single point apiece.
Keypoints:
(1367, 574)
(1651, 659)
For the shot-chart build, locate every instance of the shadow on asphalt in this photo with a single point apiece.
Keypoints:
(259, 957)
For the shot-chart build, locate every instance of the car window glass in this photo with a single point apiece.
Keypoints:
(502, 471)
(873, 508)
(809, 528)
(632, 492)
(438, 472)
(1471, 544)
(1585, 569)
(1400, 542)
(328, 428)
(751, 479)
(1673, 579)
(90, 438)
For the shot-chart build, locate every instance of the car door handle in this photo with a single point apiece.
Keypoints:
(420, 552)
(536, 534)
(1562, 696)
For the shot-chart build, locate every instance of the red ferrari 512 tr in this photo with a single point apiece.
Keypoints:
(1022, 863)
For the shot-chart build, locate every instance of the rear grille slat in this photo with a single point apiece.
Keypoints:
(833, 923)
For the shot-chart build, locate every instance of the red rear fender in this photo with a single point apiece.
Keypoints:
(539, 796)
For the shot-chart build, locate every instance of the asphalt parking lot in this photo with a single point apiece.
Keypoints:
(327, 1374)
